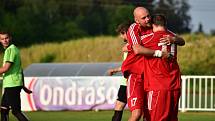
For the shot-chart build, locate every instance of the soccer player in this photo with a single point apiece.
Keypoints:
(161, 75)
(133, 66)
(12, 79)
(122, 98)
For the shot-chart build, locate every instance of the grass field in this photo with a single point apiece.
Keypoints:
(105, 116)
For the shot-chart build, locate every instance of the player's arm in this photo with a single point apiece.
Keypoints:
(133, 35)
(125, 48)
(114, 71)
(178, 40)
(139, 49)
(173, 40)
(5, 67)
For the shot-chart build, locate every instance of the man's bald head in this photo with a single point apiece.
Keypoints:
(141, 16)
(139, 10)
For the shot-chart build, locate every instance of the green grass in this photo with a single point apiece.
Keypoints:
(105, 116)
(197, 116)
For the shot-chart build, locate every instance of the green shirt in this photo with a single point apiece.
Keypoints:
(123, 80)
(13, 77)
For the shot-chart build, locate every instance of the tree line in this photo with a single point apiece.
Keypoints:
(39, 21)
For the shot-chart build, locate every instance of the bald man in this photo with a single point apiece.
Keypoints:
(132, 67)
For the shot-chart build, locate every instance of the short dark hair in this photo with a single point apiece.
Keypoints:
(123, 27)
(5, 32)
(159, 19)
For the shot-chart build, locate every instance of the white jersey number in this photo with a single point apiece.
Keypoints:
(133, 101)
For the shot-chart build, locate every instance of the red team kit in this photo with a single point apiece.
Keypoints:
(153, 83)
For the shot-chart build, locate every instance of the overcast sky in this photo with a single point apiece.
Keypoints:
(202, 11)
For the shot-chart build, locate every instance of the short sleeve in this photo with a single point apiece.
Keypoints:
(133, 34)
(9, 55)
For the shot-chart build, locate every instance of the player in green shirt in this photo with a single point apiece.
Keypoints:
(12, 80)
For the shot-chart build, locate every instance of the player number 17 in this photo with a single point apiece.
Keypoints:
(133, 101)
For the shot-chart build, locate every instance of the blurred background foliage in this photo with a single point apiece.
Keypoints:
(84, 31)
(39, 21)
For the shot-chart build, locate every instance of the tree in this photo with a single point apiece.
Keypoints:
(200, 28)
(121, 14)
(149, 4)
(37, 21)
(212, 32)
(177, 14)
(11, 5)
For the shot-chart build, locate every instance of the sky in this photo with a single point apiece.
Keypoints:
(202, 11)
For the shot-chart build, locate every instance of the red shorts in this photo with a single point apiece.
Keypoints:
(162, 105)
(135, 92)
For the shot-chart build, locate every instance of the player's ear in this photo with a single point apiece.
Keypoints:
(135, 19)
(10, 39)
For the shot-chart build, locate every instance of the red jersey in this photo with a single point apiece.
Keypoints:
(160, 73)
(133, 62)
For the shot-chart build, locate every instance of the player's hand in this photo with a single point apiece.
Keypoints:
(125, 48)
(166, 55)
(111, 72)
(167, 39)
